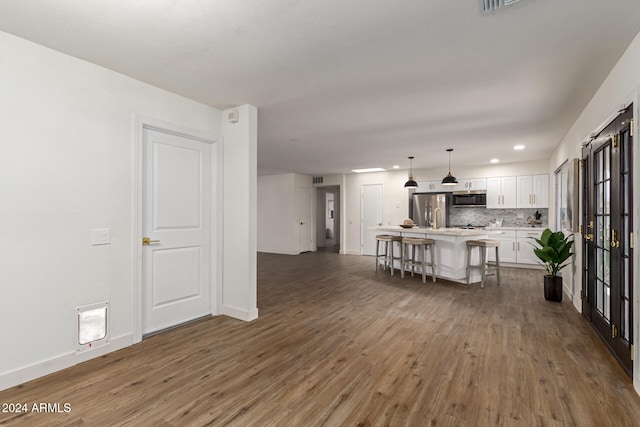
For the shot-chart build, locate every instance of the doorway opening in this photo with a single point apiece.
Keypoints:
(328, 215)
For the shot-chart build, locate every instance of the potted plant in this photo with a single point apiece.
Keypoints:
(554, 250)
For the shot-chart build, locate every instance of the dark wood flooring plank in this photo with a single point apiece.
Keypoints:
(337, 344)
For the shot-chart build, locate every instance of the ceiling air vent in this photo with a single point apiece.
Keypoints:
(491, 5)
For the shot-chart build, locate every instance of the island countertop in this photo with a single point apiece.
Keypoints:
(442, 231)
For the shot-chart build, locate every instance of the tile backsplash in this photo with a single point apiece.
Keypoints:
(482, 216)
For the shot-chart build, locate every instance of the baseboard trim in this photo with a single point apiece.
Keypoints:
(240, 314)
(58, 363)
(350, 252)
(279, 252)
(114, 344)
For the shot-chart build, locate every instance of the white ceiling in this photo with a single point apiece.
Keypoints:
(360, 83)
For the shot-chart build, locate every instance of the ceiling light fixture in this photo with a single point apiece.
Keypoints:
(495, 160)
(449, 179)
(411, 183)
(518, 147)
(368, 170)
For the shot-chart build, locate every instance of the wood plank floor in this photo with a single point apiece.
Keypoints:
(339, 345)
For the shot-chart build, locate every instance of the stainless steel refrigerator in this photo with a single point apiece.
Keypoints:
(430, 209)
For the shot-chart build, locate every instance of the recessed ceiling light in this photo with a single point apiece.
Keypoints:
(396, 167)
(368, 170)
(518, 147)
(495, 160)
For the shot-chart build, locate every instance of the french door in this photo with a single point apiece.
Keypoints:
(607, 238)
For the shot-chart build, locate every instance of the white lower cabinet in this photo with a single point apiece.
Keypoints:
(525, 246)
(516, 246)
(507, 248)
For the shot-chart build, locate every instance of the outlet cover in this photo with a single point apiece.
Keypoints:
(100, 236)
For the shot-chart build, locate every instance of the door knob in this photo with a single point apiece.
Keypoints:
(146, 241)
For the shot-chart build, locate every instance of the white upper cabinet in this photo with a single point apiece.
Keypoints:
(501, 192)
(433, 187)
(471, 184)
(533, 191)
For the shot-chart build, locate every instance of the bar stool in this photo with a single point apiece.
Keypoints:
(387, 256)
(424, 245)
(483, 245)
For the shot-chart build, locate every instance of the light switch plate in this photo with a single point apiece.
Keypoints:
(100, 236)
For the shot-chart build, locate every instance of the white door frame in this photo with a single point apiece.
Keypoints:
(141, 123)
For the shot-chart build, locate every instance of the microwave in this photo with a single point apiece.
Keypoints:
(469, 199)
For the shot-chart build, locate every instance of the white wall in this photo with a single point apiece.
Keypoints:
(620, 87)
(66, 167)
(239, 269)
(278, 213)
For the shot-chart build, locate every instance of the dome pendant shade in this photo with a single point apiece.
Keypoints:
(411, 183)
(449, 179)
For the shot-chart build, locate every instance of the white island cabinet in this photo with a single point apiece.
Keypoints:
(516, 246)
(450, 249)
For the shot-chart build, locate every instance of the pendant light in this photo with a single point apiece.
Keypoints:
(449, 179)
(411, 183)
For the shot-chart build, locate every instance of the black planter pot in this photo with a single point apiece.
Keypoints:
(553, 288)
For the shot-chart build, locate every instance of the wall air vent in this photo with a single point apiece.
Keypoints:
(491, 5)
(317, 180)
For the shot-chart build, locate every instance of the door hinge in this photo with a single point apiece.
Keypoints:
(615, 139)
(614, 331)
(581, 163)
(581, 294)
(581, 229)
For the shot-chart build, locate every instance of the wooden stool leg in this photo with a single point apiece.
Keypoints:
(483, 266)
(497, 267)
(469, 249)
(413, 259)
(423, 251)
(432, 249)
(377, 253)
(402, 258)
(391, 258)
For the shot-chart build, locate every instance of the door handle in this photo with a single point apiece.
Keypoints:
(615, 241)
(146, 241)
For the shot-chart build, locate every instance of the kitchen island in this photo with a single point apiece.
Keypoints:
(450, 249)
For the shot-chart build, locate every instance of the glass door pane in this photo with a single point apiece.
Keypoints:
(602, 232)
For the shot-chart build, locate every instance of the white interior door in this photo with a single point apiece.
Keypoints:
(371, 216)
(304, 216)
(176, 265)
